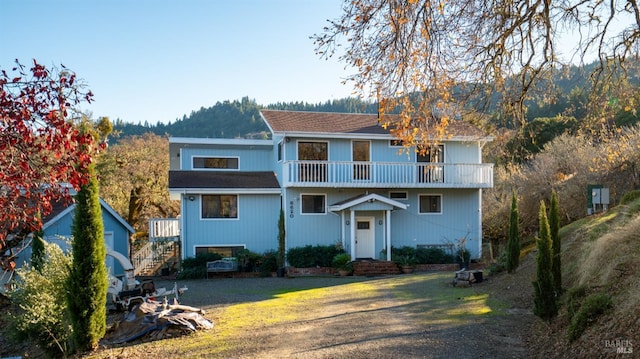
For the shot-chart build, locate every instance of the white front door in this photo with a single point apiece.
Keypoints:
(365, 237)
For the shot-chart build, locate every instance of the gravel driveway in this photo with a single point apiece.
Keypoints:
(414, 316)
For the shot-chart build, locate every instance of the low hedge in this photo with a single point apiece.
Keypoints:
(312, 256)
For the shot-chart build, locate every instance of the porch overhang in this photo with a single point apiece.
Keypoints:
(366, 202)
(370, 201)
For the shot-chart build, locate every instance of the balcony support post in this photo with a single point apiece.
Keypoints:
(353, 234)
(388, 234)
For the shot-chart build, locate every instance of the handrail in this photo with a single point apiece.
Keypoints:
(150, 254)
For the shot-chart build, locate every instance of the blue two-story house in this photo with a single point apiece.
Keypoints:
(340, 178)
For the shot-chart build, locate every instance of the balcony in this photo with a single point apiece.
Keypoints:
(387, 174)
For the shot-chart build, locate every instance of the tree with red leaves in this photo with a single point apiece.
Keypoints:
(43, 148)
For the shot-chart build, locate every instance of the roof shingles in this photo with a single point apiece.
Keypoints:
(222, 179)
(345, 123)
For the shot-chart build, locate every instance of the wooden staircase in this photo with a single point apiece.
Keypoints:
(369, 267)
(153, 257)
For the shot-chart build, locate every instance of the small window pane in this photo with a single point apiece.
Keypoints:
(363, 225)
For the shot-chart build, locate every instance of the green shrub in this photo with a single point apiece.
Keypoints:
(40, 296)
(196, 267)
(591, 308)
(630, 197)
(574, 298)
(342, 261)
(192, 273)
(248, 261)
(500, 265)
(200, 260)
(268, 263)
(312, 256)
(433, 255)
(403, 251)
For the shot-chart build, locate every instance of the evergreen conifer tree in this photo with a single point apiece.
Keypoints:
(37, 251)
(513, 244)
(556, 243)
(544, 303)
(87, 283)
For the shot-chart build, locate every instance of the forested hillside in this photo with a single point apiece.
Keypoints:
(236, 119)
(565, 109)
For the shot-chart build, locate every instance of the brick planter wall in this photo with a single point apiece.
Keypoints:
(361, 268)
(311, 271)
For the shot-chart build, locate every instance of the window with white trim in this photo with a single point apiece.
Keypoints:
(313, 204)
(216, 163)
(219, 206)
(430, 203)
(398, 195)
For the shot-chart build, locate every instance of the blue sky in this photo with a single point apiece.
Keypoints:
(156, 60)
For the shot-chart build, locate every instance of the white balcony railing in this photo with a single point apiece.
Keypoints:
(163, 228)
(387, 174)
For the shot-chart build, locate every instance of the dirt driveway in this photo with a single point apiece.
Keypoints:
(407, 316)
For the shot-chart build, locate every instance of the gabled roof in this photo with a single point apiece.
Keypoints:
(186, 180)
(301, 122)
(61, 209)
(367, 197)
(322, 122)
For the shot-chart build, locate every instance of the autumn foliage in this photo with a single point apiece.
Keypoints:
(42, 150)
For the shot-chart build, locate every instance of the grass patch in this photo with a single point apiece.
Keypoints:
(432, 298)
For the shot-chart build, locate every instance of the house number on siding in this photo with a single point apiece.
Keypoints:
(291, 209)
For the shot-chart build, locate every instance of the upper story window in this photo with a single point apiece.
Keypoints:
(313, 151)
(433, 154)
(216, 163)
(361, 150)
(218, 206)
(280, 151)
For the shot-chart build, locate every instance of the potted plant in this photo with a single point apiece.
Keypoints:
(342, 262)
(406, 262)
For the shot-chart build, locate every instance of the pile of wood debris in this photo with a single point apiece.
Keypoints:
(157, 320)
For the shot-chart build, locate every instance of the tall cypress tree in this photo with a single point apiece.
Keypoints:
(87, 283)
(556, 243)
(513, 244)
(37, 251)
(544, 302)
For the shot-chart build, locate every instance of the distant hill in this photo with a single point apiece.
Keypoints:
(241, 118)
(236, 119)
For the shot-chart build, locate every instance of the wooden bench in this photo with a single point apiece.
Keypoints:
(224, 265)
